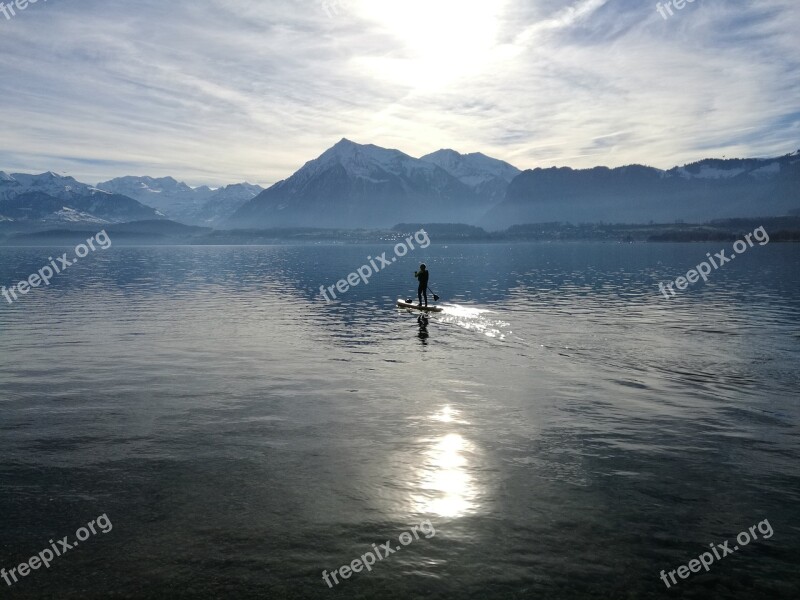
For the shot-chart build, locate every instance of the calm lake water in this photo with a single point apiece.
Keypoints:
(567, 431)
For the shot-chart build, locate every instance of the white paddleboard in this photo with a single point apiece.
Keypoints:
(430, 308)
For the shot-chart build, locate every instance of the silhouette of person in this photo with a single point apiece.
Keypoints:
(422, 275)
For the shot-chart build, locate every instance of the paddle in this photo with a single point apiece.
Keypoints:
(435, 297)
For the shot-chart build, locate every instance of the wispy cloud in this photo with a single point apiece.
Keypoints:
(215, 92)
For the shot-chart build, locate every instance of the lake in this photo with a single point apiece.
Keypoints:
(561, 430)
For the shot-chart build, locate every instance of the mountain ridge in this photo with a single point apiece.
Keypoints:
(359, 185)
(695, 192)
(487, 176)
(52, 198)
(177, 200)
(353, 185)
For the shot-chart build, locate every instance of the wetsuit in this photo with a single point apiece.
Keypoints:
(423, 285)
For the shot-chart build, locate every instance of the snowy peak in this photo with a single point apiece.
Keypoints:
(488, 177)
(720, 169)
(343, 151)
(223, 202)
(482, 174)
(355, 185)
(52, 184)
(445, 158)
(365, 162)
(243, 189)
(361, 159)
(344, 144)
(130, 185)
(181, 202)
(472, 165)
(173, 198)
(53, 198)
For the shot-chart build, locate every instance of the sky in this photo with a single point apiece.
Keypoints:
(215, 92)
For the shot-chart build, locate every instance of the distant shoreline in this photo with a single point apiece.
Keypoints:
(781, 229)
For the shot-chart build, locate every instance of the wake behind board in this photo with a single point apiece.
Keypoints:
(432, 308)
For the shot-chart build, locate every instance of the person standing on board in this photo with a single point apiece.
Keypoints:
(422, 275)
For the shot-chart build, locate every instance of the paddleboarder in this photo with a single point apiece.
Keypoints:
(422, 275)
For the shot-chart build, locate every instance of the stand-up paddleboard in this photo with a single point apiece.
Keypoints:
(431, 308)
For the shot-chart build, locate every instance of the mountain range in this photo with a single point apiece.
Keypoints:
(178, 201)
(355, 186)
(698, 192)
(352, 186)
(52, 198)
(28, 201)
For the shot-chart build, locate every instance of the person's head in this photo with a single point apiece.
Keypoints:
(422, 267)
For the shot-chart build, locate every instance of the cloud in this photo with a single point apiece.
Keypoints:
(215, 92)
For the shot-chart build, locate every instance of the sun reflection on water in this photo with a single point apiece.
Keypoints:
(475, 319)
(447, 488)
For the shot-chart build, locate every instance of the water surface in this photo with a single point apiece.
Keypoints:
(568, 432)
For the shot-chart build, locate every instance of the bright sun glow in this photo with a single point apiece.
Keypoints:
(449, 489)
(433, 42)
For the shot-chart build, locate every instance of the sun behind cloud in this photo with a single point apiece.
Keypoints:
(433, 43)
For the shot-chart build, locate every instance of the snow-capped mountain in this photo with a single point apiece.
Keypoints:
(50, 197)
(364, 186)
(720, 168)
(487, 177)
(354, 185)
(225, 201)
(179, 201)
(173, 198)
(57, 186)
